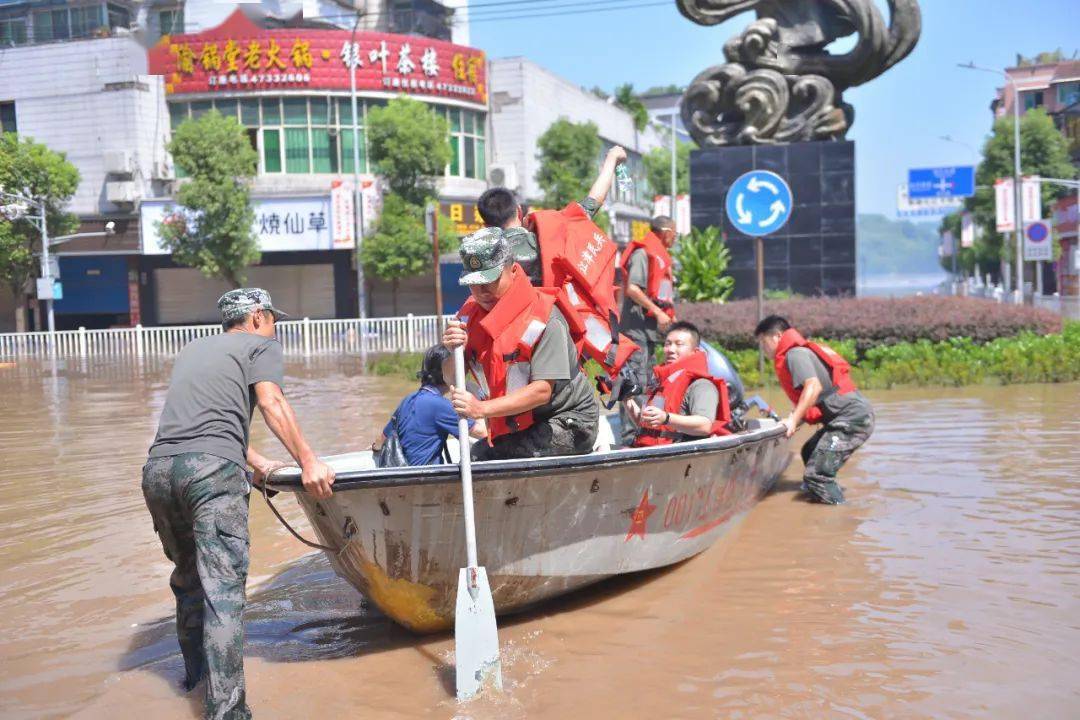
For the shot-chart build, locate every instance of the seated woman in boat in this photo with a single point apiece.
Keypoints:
(528, 379)
(425, 418)
(684, 401)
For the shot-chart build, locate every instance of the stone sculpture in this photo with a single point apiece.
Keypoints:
(780, 83)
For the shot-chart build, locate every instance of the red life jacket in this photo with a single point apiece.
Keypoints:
(661, 286)
(839, 369)
(578, 260)
(501, 342)
(672, 383)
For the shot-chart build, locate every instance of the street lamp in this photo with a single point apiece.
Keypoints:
(961, 143)
(1016, 174)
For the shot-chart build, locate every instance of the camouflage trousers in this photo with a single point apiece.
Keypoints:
(641, 365)
(199, 504)
(570, 434)
(828, 449)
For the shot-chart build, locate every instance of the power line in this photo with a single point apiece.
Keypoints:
(500, 12)
(567, 14)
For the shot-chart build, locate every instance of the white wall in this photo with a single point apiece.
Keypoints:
(526, 99)
(85, 98)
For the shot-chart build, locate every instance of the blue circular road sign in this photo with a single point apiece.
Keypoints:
(1038, 231)
(759, 203)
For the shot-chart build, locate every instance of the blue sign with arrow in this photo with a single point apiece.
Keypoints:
(942, 182)
(759, 203)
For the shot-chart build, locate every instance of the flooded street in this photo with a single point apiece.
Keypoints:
(947, 586)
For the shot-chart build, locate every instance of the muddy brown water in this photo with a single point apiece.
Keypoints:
(947, 587)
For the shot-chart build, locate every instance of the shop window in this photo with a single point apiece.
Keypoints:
(7, 117)
(467, 146)
(253, 138)
(323, 154)
(297, 148)
(200, 108)
(271, 112)
(85, 21)
(271, 146)
(345, 138)
(178, 113)
(119, 16)
(12, 32)
(249, 112)
(1068, 93)
(1033, 100)
(295, 111)
(226, 107)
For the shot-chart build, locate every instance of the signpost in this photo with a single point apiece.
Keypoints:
(758, 204)
(1037, 245)
(941, 182)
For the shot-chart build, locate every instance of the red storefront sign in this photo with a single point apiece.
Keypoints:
(239, 55)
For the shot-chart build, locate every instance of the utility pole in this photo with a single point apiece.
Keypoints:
(674, 143)
(358, 202)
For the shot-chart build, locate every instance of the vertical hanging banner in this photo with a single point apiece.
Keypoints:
(342, 215)
(1030, 200)
(967, 230)
(947, 243)
(1005, 205)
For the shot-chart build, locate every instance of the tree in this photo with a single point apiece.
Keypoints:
(211, 230)
(631, 103)
(400, 246)
(702, 259)
(1043, 151)
(33, 170)
(568, 155)
(410, 146)
(658, 168)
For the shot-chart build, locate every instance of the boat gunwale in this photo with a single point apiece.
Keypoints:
(409, 476)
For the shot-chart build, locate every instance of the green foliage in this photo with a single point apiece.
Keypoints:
(402, 364)
(212, 229)
(774, 294)
(1043, 151)
(658, 168)
(631, 103)
(409, 145)
(568, 154)
(400, 246)
(896, 246)
(671, 89)
(31, 169)
(702, 259)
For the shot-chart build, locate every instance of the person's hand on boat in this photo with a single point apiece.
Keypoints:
(317, 478)
(265, 469)
(466, 404)
(790, 425)
(454, 335)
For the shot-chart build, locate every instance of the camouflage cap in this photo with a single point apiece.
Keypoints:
(235, 304)
(484, 254)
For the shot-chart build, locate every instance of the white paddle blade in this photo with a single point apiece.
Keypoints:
(476, 637)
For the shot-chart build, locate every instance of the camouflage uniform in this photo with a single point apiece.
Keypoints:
(640, 367)
(830, 447)
(199, 504)
(561, 435)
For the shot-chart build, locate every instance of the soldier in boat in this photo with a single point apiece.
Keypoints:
(818, 381)
(648, 303)
(526, 377)
(196, 485)
(684, 400)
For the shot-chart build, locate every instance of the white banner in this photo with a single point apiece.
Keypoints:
(293, 223)
(947, 243)
(1030, 200)
(967, 230)
(924, 207)
(1005, 205)
(341, 204)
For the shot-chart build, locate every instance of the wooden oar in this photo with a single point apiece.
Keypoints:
(476, 637)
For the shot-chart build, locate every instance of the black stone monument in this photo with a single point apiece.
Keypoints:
(814, 253)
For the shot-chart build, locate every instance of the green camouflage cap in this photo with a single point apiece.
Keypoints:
(235, 304)
(484, 254)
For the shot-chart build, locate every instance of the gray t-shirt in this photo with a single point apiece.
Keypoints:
(212, 394)
(555, 358)
(701, 398)
(526, 250)
(803, 364)
(633, 322)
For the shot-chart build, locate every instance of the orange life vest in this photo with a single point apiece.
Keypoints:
(672, 383)
(578, 260)
(839, 369)
(501, 342)
(661, 286)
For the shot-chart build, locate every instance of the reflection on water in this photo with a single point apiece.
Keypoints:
(948, 585)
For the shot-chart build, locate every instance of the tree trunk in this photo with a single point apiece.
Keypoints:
(20, 312)
(394, 283)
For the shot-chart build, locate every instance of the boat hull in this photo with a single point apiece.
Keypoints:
(544, 527)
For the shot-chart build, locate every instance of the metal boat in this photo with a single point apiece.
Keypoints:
(544, 526)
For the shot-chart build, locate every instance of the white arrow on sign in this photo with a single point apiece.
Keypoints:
(777, 210)
(755, 184)
(745, 218)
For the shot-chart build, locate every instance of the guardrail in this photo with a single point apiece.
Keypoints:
(412, 333)
(1067, 306)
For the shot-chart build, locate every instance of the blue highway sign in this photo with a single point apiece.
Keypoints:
(759, 203)
(942, 182)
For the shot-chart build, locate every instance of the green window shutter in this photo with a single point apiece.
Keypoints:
(296, 150)
(320, 150)
(271, 151)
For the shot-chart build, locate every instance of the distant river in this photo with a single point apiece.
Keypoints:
(899, 285)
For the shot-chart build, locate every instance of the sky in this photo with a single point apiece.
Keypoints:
(899, 117)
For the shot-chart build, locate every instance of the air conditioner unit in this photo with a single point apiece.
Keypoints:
(504, 175)
(118, 162)
(162, 170)
(121, 192)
